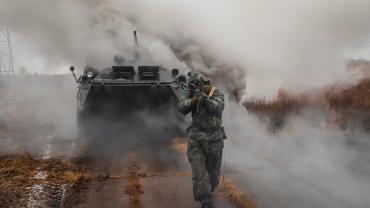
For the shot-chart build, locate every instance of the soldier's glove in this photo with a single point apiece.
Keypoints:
(196, 97)
(194, 101)
(204, 97)
(206, 88)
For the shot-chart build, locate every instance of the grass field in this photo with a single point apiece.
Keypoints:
(346, 105)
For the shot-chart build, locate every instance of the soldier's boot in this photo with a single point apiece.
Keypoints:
(207, 203)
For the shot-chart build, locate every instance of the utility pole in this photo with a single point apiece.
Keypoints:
(6, 53)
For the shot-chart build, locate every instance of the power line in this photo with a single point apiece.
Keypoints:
(6, 53)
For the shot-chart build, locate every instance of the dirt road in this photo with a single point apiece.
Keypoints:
(43, 164)
(135, 181)
(59, 183)
(141, 183)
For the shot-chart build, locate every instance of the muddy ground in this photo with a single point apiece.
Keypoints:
(134, 181)
(43, 163)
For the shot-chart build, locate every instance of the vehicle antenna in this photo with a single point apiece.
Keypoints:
(135, 36)
(137, 55)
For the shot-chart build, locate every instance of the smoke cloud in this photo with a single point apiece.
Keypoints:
(38, 115)
(306, 164)
(248, 47)
(290, 44)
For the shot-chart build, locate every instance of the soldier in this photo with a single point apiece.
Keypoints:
(206, 135)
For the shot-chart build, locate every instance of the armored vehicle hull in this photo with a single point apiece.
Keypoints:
(118, 99)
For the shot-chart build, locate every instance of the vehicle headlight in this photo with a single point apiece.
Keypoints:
(90, 74)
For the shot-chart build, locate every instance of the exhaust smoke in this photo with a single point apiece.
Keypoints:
(249, 48)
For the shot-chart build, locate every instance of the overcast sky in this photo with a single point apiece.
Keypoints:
(298, 45)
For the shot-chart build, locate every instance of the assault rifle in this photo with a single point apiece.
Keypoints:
(201, 96)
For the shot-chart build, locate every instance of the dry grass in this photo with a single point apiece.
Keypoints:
(346, 105)
(76, 177)
(356, 98)
(63, 171)
(285, 103)
(57, 170)
(231, 191)
(17, 174)
(280, 106)
(17, 165)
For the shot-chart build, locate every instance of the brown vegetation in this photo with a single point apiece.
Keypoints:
(354, 98)
(19, 172)
(357, 97)
(231, 191)
(347, 105)
(15, 174)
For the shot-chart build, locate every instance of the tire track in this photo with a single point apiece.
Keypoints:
(134, 189)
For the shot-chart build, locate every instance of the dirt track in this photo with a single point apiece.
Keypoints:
(43, 166)
(141, 186)
(62, 183)
(135, 179)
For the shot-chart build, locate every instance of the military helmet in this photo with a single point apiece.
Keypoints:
(196, 79)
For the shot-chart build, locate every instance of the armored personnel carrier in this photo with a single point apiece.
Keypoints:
(117, 93)
(129, 100)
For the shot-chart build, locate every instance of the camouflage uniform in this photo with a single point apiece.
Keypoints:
(206, 142)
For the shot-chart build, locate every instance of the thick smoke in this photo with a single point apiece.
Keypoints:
(248, 46)
(61, 33)
(306, 164)
(290, 44)
(38, 114)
